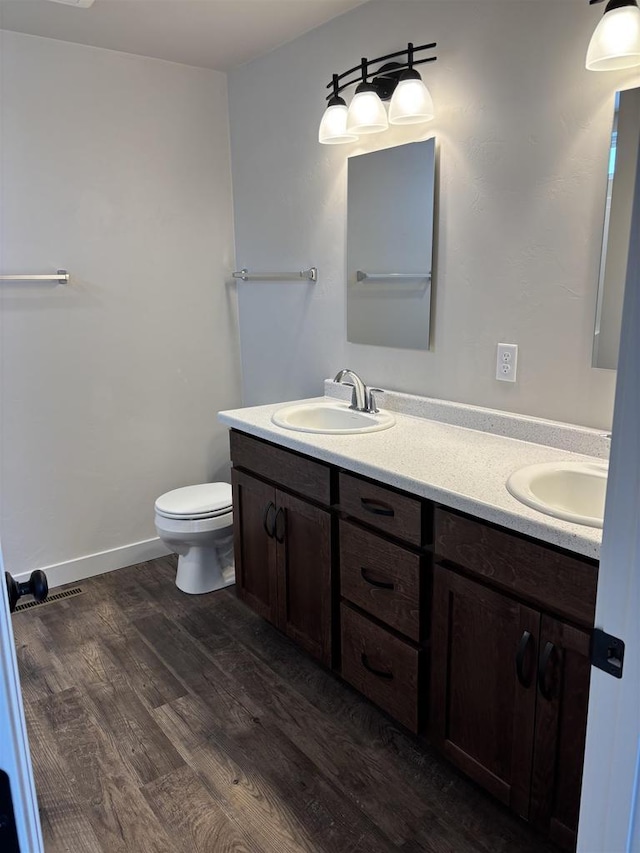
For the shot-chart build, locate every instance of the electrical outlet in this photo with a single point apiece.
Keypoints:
(507, 362)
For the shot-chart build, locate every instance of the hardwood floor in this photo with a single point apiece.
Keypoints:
(165, 722)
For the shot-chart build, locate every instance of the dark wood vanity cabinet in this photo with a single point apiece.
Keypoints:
(510, 682)
(385, 582)
(383, 579)
(255, 545)
(381, 622)
(390, 512)
(283, 544)
(464, 632)
(561, 728)
(482, 704)
(381, 665)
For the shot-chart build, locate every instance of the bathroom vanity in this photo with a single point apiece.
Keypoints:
(460, 624)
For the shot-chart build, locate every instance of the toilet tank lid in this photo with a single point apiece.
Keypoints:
(196, 500)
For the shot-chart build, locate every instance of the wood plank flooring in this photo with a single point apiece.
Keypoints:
(165, 722)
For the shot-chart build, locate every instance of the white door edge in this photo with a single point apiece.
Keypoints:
(609, 809)
(15, 759)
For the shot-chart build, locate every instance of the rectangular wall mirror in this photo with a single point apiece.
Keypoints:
(623, 161)
(390, 246)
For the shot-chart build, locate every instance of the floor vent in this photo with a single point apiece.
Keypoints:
(57, 596)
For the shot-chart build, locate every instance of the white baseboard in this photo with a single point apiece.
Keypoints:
(104, 561)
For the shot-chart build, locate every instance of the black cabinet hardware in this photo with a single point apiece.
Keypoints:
(279, 530)
(380, 673)
(523, 645)
(377, 584)
(377, 507)
(545, 659)
(266, 523)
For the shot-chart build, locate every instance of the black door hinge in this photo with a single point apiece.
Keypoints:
(8, 830)
(607, 652)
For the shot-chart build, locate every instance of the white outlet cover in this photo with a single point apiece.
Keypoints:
(507, 362)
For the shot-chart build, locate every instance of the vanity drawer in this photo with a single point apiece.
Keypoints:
(381, 578)
(299, 474)
(381, 666)
(399, 515)
(557, 582)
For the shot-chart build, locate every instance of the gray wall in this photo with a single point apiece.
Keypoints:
(116, 167)
(523, 135)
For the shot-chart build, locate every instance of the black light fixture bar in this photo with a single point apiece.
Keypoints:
(336, 87)
(614, 4)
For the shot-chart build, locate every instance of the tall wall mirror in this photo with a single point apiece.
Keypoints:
(390, 246)
(623, 160)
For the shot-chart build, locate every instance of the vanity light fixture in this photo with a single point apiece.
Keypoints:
(615, 43)
(397, 81)
(366, 111)
(333, 127)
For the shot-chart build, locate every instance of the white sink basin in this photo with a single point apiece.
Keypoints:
(573, 491)
(330, 417)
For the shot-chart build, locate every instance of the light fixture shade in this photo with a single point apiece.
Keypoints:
(366, 113)
(333, 126)
(411, 102)
(615, 42)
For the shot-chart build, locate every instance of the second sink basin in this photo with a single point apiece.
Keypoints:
(330, 417)
(573, 491)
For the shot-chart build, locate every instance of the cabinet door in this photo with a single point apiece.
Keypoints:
(303, 533)
(483, 689)
(564, 672)
(254, 545)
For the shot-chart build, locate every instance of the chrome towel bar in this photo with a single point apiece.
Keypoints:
(62, 277)
(303, 275)
(384, 276)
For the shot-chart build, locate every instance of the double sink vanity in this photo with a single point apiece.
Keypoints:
(442, 559)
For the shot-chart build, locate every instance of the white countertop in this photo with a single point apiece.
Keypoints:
(458, 467)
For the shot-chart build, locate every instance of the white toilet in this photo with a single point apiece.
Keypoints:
(196, 523)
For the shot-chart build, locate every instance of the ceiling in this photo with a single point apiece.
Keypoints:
(219, 34)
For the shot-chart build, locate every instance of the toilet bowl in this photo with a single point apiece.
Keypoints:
(196, 523)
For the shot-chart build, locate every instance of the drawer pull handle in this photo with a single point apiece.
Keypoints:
(523, 645)
(279, 531)
(545, 658)
(377, 507)
(380, 673)
(377, 584)
(266, 523)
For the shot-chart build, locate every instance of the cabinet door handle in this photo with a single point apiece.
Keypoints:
(525, 680)
(380, 673)
(377, 584)
(545, 658)
(377, 507)
(268, 526)
(276, 527)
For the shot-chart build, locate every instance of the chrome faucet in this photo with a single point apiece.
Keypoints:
(362, 399)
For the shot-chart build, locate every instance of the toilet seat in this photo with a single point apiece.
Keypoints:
(208, 500)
